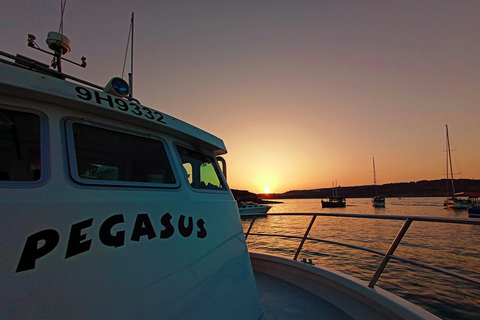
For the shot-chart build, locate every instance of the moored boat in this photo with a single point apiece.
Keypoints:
(454, 200)
(458, 202)
(334, 202)
(250, 207)
(474, 212)
(377, 201)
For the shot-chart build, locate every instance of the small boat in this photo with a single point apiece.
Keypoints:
(458, 202)
(334, 202)
(377, 201)
(454, 200)
(250, 207)
(474, 212)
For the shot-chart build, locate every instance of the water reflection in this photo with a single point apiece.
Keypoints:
(453, 247)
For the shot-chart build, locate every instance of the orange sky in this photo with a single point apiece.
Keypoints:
(302, 93)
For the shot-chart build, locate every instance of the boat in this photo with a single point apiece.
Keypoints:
(334, 201)
(113, 210)
(377, 201)
(250, 207)
(454, 200)
(474, 210)
(110, 209)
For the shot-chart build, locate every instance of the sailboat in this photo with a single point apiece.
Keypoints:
(334, 201)
(453, 200)
(377, 201)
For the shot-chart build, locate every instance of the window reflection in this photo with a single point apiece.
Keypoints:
(200, 170)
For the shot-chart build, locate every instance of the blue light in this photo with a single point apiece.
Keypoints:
(120, 86)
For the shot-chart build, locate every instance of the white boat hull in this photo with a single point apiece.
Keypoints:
(252, 208)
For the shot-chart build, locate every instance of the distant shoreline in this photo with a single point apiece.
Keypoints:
(423, 188)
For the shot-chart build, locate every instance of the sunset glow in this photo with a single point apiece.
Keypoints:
(302, 94)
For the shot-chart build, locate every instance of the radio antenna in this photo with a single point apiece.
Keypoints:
(58, 43)
(130, 75)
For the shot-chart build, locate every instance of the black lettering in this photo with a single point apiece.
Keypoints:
(169, 230)
(136, 109)
(185, 231)
(32, 251)
(105, 232)
(143, 227)
(83, 93)
(121, 104)
(99, 99)
(160, 117)
(149, 114)
(202, 232)
(76, 243)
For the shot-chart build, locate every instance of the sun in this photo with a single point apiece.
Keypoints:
(266, 190)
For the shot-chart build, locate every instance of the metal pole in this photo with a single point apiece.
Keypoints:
(131, 63)
(250, 227)
(304, 237)
(390, 252)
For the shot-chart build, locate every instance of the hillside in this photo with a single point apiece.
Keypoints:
(424, 188)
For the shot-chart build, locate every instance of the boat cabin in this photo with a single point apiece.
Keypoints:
(111, 209)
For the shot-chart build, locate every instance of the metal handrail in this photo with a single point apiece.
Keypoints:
(387, 255)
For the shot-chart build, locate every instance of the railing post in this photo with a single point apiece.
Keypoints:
(304, 237)
(250, 227)
(390, 252)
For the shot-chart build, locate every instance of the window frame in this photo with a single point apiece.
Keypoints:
(212, 157)
(45, 163)
(71, 157)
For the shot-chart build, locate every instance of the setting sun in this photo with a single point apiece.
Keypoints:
(266, 190)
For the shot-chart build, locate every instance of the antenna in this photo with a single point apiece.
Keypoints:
(58, 43)
(130, 75)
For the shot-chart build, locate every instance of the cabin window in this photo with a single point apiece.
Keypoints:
(200, 170)
(104, 156)
(19, 146)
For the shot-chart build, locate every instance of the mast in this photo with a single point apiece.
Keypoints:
(449, 163)
(374, 178)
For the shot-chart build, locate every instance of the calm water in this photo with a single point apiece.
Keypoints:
(453, 247)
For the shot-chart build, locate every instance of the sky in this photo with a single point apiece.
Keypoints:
(303, 93)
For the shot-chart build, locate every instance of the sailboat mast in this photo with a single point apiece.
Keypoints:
(449, 162)
(374, 177)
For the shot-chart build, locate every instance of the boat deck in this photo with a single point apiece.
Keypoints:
(293, 290)
(283, 300)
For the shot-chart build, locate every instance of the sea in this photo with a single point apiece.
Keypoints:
(449, 246)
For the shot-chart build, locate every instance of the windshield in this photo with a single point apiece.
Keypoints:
(200, 170)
